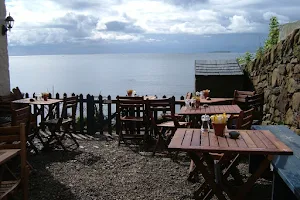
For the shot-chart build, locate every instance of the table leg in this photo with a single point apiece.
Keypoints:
(252, 179)
(208, 173)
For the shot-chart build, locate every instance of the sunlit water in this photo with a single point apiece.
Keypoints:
(108, 74)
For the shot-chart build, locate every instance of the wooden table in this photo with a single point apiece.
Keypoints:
(211, 110)
(211, 101)
(51, 103)
(201, 146)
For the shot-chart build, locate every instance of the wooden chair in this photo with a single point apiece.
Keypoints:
(257, 102)
(60, 127)
(239, 97)
(15, 138)
(161, 130)
(17, 93)
(245, 119)
(131, 118)
(23, 115)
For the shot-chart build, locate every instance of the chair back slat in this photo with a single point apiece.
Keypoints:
(239, 98)
(165, 105)
(245, 119)
(13, 137)
(22, 115)
(69, 106)
(257, 102)
(130, 98)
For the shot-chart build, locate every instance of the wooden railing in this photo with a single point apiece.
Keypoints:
(94, 113)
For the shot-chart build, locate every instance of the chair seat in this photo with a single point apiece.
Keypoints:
(129, 118)
(170, 124)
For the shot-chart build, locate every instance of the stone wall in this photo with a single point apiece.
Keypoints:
(277, 74)
(4, 70)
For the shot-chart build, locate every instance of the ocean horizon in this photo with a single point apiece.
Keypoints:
(109, 74)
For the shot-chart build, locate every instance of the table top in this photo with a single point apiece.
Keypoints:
(210, 110)
(249, 142)
(211, 101)
(7, 154)
(37, 102)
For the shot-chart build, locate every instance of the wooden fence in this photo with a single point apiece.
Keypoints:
(91, 115)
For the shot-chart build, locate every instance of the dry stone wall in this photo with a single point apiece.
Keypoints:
(277, 74)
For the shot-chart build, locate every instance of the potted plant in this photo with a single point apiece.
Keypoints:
(206, 93)
(197, 99)
(45, 96)
(219, 123)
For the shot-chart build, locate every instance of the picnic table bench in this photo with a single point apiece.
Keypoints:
(286, 176)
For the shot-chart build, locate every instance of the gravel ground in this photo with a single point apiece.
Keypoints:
(100, 169)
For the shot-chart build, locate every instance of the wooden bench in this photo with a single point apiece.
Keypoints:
(286, 176)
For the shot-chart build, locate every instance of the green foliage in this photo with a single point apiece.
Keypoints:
(245, 59)
(273, 33)
(259, 52)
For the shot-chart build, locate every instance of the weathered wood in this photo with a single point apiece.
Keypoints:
(81, 117)
(216, 109)
(251, 148)
(286, 168)
(109, 116)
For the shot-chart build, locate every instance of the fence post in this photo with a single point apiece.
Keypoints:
(90, 114)
(57, 106)
(181, 98)
(109, 115)
(100, 114)
(81, 117)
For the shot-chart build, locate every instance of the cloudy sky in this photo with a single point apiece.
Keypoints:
(143, 26)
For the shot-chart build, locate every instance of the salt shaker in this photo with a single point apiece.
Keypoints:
(205, 123)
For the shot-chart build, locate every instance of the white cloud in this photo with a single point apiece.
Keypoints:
(241, 24)
(281, 18)
(115, 36)
(36, 22)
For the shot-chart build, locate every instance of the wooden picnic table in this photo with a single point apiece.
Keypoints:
(201, 147)
(210, 110)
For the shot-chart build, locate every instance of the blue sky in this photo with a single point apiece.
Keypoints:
(143, 26)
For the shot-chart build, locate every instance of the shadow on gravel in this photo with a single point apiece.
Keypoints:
(42, 184)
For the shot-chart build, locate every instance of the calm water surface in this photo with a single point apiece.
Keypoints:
(108, 74)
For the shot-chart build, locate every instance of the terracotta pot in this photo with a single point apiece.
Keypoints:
(129, 93)
(206, 94)
(219, 129)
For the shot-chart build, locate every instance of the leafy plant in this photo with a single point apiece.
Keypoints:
(259, 52)
(273, 33)
(245, 59)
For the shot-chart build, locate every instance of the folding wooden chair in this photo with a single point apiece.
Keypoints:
(257, 102)
(23, 115)
(167, 106)
(60, 127)
(14, 138)
(239, 98)
(17, 93)
(131, 119)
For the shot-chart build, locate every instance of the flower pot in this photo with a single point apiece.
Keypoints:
(206, 94)
(219, 129)
(129, 93)
(45, 98)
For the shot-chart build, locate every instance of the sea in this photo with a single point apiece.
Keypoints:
(109, 74)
